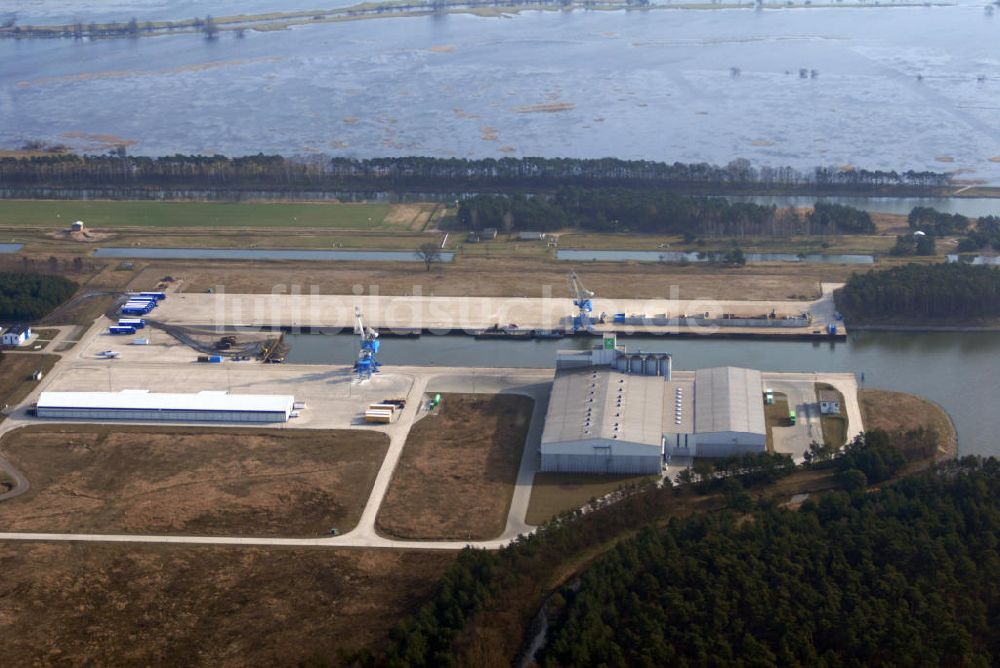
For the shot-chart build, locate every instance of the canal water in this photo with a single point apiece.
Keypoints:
(10, 248)
(262, 254)
(677, 257)
(959, 371)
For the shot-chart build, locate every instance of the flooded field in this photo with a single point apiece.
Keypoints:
(876, 87)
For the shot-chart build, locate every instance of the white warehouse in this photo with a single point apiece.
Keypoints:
(149, 406)
(603, 420)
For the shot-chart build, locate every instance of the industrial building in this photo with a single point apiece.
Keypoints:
(152, 406)
(616, 412)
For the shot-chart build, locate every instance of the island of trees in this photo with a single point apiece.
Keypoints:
(27, 297)
(654, 211)
(932, 292)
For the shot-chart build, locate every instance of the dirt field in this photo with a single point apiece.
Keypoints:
(898, 411)
(132, 479)
(456, 475)
(554, 493)
(15, 375)
(103, 605)
(502, 276)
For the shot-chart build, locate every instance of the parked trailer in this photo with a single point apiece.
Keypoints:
(140, 342)
(215, 359)
(155, 295)
(383, 407)
(378, 417)
(116, 330)
(298, 405)
(138, 323)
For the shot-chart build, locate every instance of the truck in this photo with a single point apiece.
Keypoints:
(117, 330)
(138, 323)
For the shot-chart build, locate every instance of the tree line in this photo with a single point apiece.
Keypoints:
(934, 291)
(451, 175)
(27, 297)
(654, 211)
(928, 224)
(904, 576)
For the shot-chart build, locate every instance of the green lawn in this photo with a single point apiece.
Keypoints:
(59, 214)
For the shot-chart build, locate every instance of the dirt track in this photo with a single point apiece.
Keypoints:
(204, 481)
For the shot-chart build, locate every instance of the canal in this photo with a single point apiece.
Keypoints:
(959, 371)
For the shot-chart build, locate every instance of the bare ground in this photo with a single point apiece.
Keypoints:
(456, 476)
(555, 493)
(130, 479)
(104, 604)
(504, 276)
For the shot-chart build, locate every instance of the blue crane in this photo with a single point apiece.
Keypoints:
(582, 302)
(367, 362)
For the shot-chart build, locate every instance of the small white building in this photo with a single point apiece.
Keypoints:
(17, 335)
(829, 402)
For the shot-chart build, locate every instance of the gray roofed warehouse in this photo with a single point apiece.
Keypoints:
(601, 420)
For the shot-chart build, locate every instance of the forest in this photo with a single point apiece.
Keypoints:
(27, 297)
(934, 291)
(908, 575)
(654, 211)
(484, 607)
(119, 174)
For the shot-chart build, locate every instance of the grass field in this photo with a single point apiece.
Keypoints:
(898, 411)
(162, 605)
(456, 476)
(15, 375)
(555, 493)
(58, 214)
(208, 481)
(834, 426)
(776, 415)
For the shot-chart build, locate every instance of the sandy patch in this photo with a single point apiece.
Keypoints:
(762, 142)
(944, 158)
(995, 158)
(351, 120)
(462, 113)
(87, 236)
(548, 108)
(443, 48)
(125, 74)
(102, 140)
(487, 133)
(508, 149)
(337, 143)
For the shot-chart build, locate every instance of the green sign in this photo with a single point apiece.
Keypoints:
(609, 343)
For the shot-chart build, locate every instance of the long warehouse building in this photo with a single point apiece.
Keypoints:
(147, 406)
(606, 420)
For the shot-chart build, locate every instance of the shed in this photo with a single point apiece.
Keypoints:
(167, 407)
(530, 236)
(829, 402)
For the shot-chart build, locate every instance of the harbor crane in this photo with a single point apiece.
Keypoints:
(367, 362)
(582, 301)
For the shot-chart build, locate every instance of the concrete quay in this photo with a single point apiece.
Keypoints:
(469, 314)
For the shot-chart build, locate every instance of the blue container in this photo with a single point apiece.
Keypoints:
(116, 330)
(215, 359)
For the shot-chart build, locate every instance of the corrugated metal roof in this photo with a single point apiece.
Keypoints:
(145, 400)
(729, 399)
